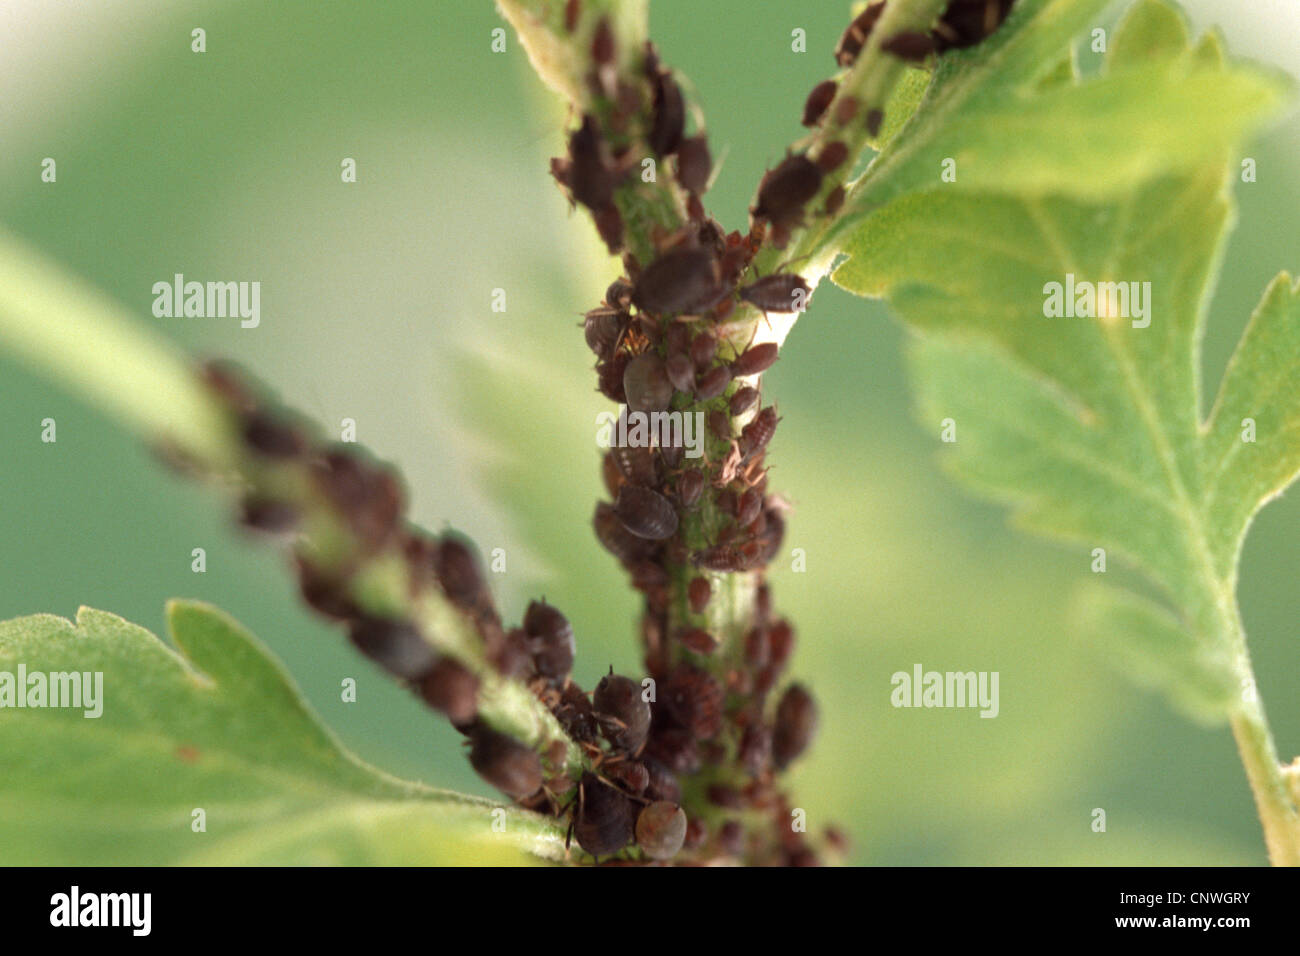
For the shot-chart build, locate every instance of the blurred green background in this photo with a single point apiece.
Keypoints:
(376, 306)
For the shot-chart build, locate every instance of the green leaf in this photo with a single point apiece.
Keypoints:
(1092, 428)
(218, 727)
(1002, 112)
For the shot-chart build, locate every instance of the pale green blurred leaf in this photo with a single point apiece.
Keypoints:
(217, 726)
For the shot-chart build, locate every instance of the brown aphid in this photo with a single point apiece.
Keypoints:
(759, 358)
(758, 647)
(272, 438)
(623, 714)
(576, 715)
(821, 96)
(763, 604)
(669, 120)
(453, 689)
(458, 573)
(703, 348)
(620, 542)
(662, 784)
(796, 723)
(696, 834)
(609, 376)
(743, 400)
(874, 120)
(672, 454)
(694, 164)
(909, 45)
(845, 110)
(394, 645)
(781, 292)
(720, 557)
(267, 514)
(510, 652)
(554, 645)
(786, 188)
(324, 592)
(748, 507)
(637, 463)
(780, 642)
(645, 513)
(689, 488)
(681, 371)
(694, 207)
(609, 224)
(602, 328)
(712, 383)
(694, 698)
(680, 280)
(602, 43)
(605, 819)
(675, 748)
(756, 748)
(590, 178)
(698, 593)
(720, 424)
(646, 384)
(505, 763)
(368, 497)
(755, 436)
(721, 795)
(572, 9)
(834, 201)
(619, 294)
(832, 156)
(631, 775)
(661, 830)
(967, 22)
(851, 43)
(698, 640)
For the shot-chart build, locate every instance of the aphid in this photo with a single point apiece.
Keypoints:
(780, 642)
(763, 604)
(619, 294)
(678, 281)
(821, 96)
(785, 189)
(967, 22)
(755, 436)
(645, 513)
(505, 763)
(646, 384)
(453, 689)
(755, 748)
(620, 542)
(712, 383)
(672, 454)
(576, 715)
(609, 376)
(609, 224)
(694, 164)
(272, 438)
(394, 645)
(605, 819)
(689, 488)
(855, 36)
(324, 592)
(703, 348)
(694, 698)
(511, 654)
(681, 372)
(553, 642)
(602, 328)
(631, 774)
(909, 45)
(590, 179)
(720, 424)
(457, 571)
(759, 358)
(748, 507)
(675, 748)
(834, 201)
(669, 116)
(796, 723)
(874, 119)
(729, 798)
(830, 158)
(602, 43)
(699, 640)
(370, 499)
(845, 110)
(758, 647)
(267, 514)
(572, 8)
(661, 830)
(624, 716)
(637, 463)
(698, 593)
(696, 833)
(743, 400)
(663, 785)
(720, 557)
(781, 292)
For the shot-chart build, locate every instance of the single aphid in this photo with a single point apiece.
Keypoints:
(605, 820)
(832, 156)
(775, 293)
(505, 763)
(453, 689)
(689, 488)
(645, 513)
(712, 383)
(759, 358)
(703, 348)
(620, 542)
(785, 189)
(910, 45)
(669, 120)
(834, 201)
(267, 514)
(631, 775)
(394, 645)
(679, 280)
(602, 43)
(623, 714)
(590, 178)
(272, 438)
(646, 384)
(821, 96)
(851, 43)
(694, 698)
(796, 723)
(743, 400)
(553, 642)
(698, 593)
(603, 327)
(572, 9)
(661, 830)
(698, 640)
(680, 371)
(748, 506)
(755, 436)
(694, 164)
(874, 119)
(457, 570)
